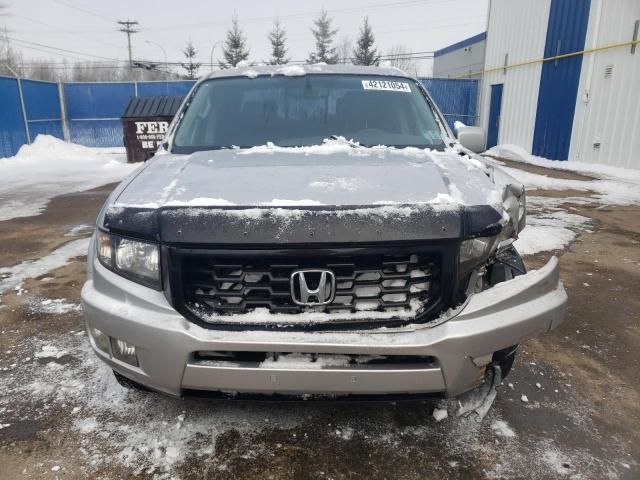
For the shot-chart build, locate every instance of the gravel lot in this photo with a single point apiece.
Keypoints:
(62, 415)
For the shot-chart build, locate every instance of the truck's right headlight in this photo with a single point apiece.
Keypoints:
(134, 259)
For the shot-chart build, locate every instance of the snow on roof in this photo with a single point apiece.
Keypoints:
(316, 68)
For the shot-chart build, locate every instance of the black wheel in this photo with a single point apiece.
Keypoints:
(508, 265)
(128, 383)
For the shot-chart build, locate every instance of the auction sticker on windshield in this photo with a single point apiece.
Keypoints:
(386, 85)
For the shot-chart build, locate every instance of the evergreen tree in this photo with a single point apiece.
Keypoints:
(278, 39)
(323, 33)
(191, 66)
(365, 53)
(235, 46)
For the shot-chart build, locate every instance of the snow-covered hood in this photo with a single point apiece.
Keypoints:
(276, 177)
(334, 192)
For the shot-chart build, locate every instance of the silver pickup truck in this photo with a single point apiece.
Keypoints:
(314, 230)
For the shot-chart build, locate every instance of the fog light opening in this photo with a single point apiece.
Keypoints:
(100, 340)
(123, 351)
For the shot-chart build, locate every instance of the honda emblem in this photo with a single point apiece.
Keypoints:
(313, 287)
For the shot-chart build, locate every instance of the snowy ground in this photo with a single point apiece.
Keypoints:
(50, 167)
(552, 223)
(570, 408)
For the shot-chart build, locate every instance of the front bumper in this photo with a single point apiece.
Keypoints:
(461, 347)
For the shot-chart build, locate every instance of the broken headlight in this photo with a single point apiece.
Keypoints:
(474, 251)
(136, 260)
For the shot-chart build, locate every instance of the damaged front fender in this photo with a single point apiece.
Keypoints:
(513, 202)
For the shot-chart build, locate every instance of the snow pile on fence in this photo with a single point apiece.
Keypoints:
(50, 167)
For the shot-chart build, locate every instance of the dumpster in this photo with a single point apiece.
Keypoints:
(145, 121)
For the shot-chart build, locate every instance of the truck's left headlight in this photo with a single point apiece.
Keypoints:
(474, 251)
(136, 260)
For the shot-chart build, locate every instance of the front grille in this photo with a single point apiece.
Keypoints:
(219, 285)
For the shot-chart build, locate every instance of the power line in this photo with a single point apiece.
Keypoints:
(60, 49)
(60, 30)
(292, 16)
(128, 28)
(67, 3)
(422, 55)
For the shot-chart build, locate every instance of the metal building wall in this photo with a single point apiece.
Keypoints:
(461, 60)
(517, 28)
(608, 106)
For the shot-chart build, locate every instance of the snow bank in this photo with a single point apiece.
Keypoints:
(50, 167)
(550, 231)
(612, 185)
(519, 154)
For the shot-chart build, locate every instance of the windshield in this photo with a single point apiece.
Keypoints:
(305, 110)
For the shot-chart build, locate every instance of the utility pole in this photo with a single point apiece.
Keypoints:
(128, 28)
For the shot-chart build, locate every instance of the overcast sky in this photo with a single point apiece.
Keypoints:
(87, 27)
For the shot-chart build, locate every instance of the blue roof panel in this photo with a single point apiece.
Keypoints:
(461, 44)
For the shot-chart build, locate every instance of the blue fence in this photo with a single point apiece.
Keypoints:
(89, 113)
(12, 123)
(94, 109)
(457, 99)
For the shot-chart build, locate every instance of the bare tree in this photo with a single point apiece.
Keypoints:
(42, 69)
(10, 59)
(344, 49)
(399, 57)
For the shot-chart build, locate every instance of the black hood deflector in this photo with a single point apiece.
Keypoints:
(259, 226)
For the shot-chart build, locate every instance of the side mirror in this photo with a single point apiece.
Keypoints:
(472, 138)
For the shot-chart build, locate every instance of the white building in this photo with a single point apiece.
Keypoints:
(464, 59)
(562, 79)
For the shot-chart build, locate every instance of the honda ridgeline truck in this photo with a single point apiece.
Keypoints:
(314, 230)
